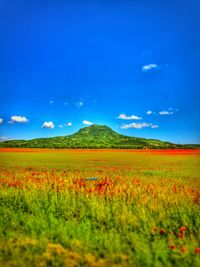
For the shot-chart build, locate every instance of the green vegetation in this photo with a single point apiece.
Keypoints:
(94, 136)
(143, 210)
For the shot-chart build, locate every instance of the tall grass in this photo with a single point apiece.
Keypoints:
(143, 210)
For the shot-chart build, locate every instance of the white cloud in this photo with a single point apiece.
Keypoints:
(87, 122)
(150, 67)
(169, 111)
(125, 117)
(68, 124)
(51, 102)
(18, 119)
(139, 125)
(48, 124)
(79, 104)
(1, 120)
(149, 112)
(164, 112)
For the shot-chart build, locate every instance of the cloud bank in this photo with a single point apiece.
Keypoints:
(48, 125)
(87, 122)
(131, 117)
(164, 112)
(149, 67)
(139, 125)
(18, 119)
(149, 112)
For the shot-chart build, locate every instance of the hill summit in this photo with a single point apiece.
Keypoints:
(94, 136)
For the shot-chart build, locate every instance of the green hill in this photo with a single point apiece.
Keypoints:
(94, 136)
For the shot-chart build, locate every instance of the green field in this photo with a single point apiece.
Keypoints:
(142, 211)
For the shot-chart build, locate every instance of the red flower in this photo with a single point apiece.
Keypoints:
(197, 250)
(183, 250)
(180, 235)
(172, 247)
(182, 229)
(155, 229)
(162, 231)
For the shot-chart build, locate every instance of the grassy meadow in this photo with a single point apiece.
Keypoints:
(142, 211)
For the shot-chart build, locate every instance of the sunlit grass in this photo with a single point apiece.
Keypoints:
(142, 211)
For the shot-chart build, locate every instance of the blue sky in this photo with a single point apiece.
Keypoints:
(132, 65)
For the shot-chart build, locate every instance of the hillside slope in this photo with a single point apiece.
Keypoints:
(94, 136)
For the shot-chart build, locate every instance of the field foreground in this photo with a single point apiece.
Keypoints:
(143, 209)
